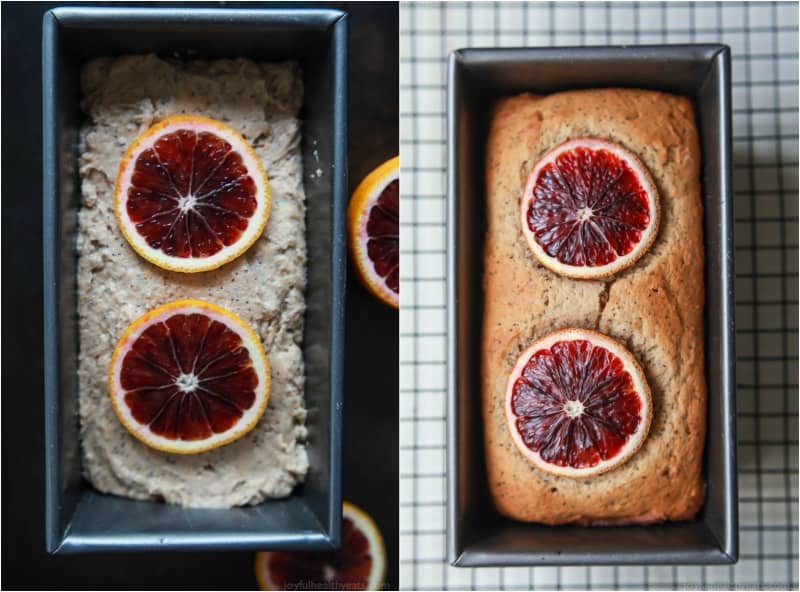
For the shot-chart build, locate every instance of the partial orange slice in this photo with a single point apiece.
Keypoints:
(373, 227)
(191, 194)
(360, 563)
(189, 376)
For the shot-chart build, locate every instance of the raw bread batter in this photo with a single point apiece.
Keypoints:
(122, 98)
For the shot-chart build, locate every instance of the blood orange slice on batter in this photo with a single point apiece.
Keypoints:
(577, 403)
(373, 219)
(360, 563)
(590, 209)
(189, 376)
(191, 194)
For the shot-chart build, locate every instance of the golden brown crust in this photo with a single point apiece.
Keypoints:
(655, 307)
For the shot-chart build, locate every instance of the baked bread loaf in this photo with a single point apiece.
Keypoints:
(655, 307)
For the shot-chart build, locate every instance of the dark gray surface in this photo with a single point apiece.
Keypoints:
(477, 535)
(79, 519)
(371, 330)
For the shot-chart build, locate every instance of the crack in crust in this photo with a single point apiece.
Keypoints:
(602, 301)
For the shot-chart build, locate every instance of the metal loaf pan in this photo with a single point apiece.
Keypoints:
(477, 535)
(78, 518)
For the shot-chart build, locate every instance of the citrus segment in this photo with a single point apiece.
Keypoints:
(191, 194)
(374, 231)
(577, 403)
(189, 376)
(590, 209)
(359, 564)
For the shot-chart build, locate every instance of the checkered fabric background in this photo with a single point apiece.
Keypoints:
(764, 41)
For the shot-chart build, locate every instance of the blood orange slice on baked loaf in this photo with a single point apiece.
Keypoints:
(373, 220)
(189, 376)
(577, 404)
(191, 194)
(590, 209)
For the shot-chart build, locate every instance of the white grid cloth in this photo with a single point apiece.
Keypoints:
(764, 42)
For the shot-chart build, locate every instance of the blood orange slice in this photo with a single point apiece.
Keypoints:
(191, 194)
(590, 209)
(189, 376)
(360, 563)
(578, 403)
(373, 220)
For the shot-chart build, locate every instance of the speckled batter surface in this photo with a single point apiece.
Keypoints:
(122, 97)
